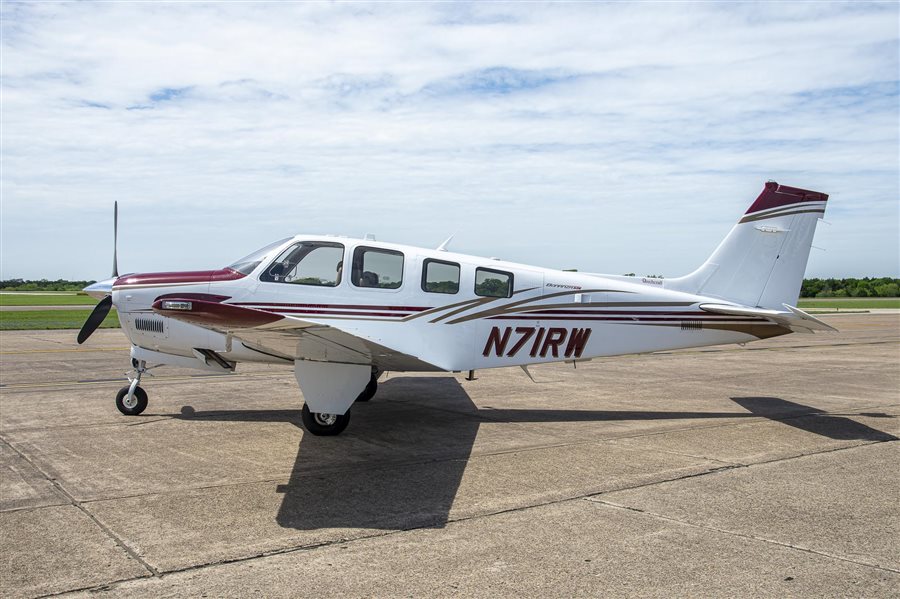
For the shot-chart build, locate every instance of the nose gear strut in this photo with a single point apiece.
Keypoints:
(132, 399)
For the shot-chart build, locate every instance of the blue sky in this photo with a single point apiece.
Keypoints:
(620, 137)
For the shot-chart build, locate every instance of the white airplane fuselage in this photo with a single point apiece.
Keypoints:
(550, 316)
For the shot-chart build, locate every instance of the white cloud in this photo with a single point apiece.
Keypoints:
(608, 137)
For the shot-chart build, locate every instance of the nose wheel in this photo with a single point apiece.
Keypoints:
(131, 403)
(132, 399)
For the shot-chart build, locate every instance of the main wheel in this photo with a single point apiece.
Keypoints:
(134, 406)
(369, 392)
(322, 424)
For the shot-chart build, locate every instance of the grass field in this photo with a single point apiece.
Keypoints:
(51, 319)
(851, 303)
(56, 298)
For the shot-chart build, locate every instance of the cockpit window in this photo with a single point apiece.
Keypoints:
(248, 263)
(318, 263)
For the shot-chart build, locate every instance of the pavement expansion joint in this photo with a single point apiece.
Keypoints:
(750, 348)
(181, 378)
(734, 533)
(120, 543)
(732, 466)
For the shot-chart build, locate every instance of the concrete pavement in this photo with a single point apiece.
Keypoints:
(768, 470)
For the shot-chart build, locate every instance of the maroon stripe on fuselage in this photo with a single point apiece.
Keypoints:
(332, 312)
(774, 195)
(616, 312)
(172, 278)
(218, 314)
(635, 318)
(207, 297)
(335, 306)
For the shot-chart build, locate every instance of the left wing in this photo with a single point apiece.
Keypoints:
(288, 337)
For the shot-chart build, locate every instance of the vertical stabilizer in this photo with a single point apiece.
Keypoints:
(763, 259)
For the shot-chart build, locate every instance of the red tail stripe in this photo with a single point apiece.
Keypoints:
(775, 195)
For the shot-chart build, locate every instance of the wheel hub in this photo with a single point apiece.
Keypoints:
(325, 419)
(129, 401)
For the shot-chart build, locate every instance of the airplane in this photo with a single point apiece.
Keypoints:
(341, 312)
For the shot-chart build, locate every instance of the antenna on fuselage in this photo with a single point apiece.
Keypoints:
(443, 246)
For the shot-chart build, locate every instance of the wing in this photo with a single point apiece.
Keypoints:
(288, 337)
(794, 318)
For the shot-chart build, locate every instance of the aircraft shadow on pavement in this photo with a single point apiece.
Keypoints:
(813, 420)
(401, 462)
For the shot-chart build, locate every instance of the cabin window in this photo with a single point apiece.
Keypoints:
(493, 283)
(317, 263)
(440, 277)
(377, 268)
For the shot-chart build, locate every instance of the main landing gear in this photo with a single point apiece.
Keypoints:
(327, 425)
(322, 424)
(132, 399)
(371, 388)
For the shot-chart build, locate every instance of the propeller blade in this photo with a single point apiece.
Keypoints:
(94, 320)
(115, 272)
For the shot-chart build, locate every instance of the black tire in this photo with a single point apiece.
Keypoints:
(324, 425)
(140, 401)
(370, 390)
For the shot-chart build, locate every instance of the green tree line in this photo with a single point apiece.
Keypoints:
(43, 285)
(865, 287)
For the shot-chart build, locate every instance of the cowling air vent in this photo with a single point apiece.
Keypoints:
(150, 325)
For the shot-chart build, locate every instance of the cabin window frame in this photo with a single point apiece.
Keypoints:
(509, 291)
(264, 276)
(429, 261)
(361, 249)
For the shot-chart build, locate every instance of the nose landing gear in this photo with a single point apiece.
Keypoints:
(132, 399)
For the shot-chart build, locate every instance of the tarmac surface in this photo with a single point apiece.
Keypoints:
(768, 470)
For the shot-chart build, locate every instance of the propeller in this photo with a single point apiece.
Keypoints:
(94, 320)
(102, 309)
(115, 272)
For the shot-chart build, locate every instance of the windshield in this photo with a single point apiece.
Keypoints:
(246, 264)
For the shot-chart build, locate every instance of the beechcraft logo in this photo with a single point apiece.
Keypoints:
(539, 341)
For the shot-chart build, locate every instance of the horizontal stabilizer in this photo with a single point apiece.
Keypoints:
(794, 318)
